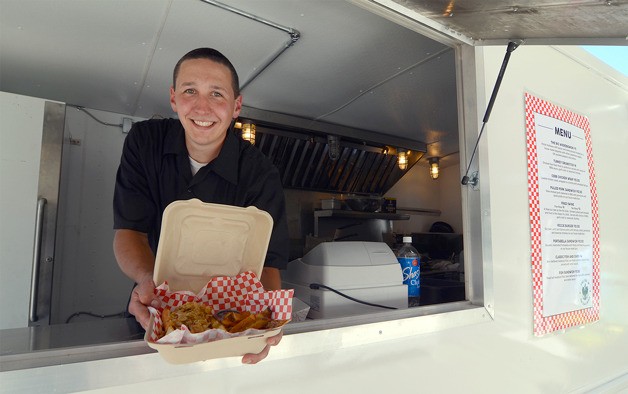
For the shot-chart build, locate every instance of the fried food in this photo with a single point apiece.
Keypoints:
(198, 318)
(275, 323)
(243, 324)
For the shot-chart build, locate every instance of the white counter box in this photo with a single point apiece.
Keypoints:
(366, 271)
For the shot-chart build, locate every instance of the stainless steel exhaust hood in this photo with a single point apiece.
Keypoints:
(360, 167)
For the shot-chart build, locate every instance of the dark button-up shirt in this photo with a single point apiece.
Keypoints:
(155, 171)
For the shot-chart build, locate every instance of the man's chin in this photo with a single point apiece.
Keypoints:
(205, 138)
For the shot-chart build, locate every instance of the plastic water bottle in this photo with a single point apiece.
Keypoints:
(410, 262)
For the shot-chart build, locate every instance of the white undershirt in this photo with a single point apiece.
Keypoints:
(195, 165)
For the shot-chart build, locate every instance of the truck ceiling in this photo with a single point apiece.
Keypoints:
(332, 63)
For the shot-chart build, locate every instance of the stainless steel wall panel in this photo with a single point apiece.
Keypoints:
(49, 180)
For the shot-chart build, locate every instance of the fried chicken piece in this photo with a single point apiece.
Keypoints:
(196, 317)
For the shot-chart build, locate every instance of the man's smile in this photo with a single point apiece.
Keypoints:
(202, 124)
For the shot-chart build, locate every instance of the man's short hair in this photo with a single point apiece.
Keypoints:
(213, 55)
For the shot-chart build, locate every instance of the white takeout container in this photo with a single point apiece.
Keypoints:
(197, 242)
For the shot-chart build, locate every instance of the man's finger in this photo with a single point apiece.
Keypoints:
(145, 292)
(251, 358)
(275, 339)
(139, 310)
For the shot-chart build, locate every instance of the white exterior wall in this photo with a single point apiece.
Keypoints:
(496, 356)
(571, 78)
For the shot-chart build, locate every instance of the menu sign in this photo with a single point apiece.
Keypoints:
(563, 217)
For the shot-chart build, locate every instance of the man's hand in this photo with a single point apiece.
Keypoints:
(142, 297)
(137, 261)
(251, 358)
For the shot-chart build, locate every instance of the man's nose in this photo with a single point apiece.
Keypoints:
(203, 104)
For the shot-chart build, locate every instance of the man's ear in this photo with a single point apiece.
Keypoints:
(172, 102)
(238, 107)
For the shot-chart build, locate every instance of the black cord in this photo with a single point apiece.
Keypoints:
(316, 286)
(72, 316)
(511, 47)
(93, 117)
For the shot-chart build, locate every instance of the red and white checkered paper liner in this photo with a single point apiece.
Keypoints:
(243, 292)
(544, 325)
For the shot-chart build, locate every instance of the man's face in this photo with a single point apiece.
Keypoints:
(204, 100)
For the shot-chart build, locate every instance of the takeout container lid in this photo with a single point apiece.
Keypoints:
(201, 240)
(197, 242)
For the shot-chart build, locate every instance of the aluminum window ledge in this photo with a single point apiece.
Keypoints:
(353, 330)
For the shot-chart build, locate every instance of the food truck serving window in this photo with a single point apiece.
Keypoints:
(343, 263)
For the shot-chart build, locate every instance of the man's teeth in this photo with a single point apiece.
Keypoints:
(203, 124)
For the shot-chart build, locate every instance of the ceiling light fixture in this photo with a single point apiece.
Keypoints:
(434, 167)
(334, 147)
(402, 159)
(248, 132)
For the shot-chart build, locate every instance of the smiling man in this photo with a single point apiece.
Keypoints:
(207, 101)
(199, 156)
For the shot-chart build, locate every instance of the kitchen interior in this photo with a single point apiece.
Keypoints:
(343, 189)
(358, 113)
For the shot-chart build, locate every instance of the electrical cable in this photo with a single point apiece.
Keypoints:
(316, 286)
(294, 34)
(72, 316)
(512, 45)
(93, 117)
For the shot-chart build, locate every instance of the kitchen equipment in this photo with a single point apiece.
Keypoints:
(389, 205)
(436, 245)
(363, 204)
(441, 227)
(331, 203)
(438, 291)
(304, 161)
(197, 242)
(366, 271)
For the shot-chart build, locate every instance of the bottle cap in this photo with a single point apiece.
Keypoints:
(407, 240)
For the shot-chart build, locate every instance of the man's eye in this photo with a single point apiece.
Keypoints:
(216, 94)
(189, 91)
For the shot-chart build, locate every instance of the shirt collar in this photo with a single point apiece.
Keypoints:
(225, 165)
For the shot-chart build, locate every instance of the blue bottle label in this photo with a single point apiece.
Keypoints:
(410, 268)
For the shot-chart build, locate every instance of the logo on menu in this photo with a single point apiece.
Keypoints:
(585, 292)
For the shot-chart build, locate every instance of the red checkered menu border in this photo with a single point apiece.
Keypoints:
(544, 325)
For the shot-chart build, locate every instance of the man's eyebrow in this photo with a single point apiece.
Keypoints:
(193, 84)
